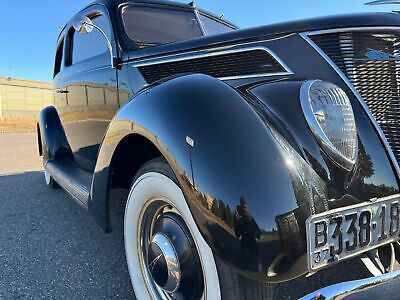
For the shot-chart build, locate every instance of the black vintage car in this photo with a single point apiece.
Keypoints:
(260, 162)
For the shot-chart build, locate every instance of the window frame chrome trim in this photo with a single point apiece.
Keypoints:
(91, 9)
(215, 19)
(216, 52)
(306, 36)
(201, 25)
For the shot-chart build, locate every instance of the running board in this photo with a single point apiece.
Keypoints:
(71, 178)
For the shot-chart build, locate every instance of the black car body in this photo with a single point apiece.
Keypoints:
(224, 111)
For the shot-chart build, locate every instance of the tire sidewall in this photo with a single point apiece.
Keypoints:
(147, 187)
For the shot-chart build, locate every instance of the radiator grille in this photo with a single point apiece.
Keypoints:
(370, 60)
(251, 63)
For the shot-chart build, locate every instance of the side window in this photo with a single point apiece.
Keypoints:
(86, 46)
(59, 57)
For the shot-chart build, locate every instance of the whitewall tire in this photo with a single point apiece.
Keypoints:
(153, 195)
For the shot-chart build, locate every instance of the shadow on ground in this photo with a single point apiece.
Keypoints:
(51, 248)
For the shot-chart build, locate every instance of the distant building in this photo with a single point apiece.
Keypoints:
(24, 98)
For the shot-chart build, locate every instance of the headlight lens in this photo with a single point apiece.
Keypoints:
(330, 116)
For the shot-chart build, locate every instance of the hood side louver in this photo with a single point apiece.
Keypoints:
(231, 64)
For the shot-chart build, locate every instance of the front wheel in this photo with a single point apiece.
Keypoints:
(166, 255)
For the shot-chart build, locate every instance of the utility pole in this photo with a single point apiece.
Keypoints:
(10, 77)
(190, 143)
(1, 101)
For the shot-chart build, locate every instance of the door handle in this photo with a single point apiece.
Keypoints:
(62, 91)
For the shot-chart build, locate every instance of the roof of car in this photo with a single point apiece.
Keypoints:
(163, 2)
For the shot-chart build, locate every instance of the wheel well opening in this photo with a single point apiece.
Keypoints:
(131, 153)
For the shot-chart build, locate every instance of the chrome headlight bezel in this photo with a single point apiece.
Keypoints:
(335, 154)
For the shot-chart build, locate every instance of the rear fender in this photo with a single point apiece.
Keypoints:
(54, 143)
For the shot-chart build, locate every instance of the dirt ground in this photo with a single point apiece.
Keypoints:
(12, 125)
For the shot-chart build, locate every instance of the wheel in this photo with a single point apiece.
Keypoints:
(167, 256)
(50, 182)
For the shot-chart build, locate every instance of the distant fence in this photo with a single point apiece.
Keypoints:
(21, 98)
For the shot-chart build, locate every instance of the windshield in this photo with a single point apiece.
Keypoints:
(212, 26)
(149, 26)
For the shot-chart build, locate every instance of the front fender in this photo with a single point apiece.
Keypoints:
(248, 190)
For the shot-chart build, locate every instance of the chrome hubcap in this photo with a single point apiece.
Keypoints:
(169, 257)
(163, 263)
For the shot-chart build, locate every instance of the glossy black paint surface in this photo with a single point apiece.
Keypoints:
(53, 142)
(371, 176)
(255, 172)
(239, 166)
(217, 175)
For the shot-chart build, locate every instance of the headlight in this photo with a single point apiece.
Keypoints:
(330, 116)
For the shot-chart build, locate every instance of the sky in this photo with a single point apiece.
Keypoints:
(29, 29)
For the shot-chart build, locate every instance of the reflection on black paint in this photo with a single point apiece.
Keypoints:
(223, 212)
(248, 231)
(365, 169)
(246, 227)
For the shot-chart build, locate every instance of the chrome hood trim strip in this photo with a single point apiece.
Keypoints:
(306, 37)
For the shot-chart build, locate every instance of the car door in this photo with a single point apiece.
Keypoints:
(87, 90)
(60, 96)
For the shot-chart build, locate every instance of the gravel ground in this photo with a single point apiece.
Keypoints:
(49, 246)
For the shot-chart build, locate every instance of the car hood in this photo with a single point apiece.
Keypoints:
(274, 30)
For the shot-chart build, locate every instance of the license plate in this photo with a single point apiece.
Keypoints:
(346, 232)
